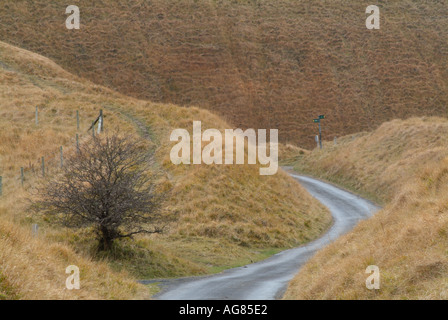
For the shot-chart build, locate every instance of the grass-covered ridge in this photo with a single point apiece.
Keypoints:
(226, 215)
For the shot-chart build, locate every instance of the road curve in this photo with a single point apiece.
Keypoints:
(269, 278)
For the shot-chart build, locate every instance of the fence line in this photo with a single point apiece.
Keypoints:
(57, 156)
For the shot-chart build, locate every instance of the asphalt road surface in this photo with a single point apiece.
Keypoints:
(269, 278)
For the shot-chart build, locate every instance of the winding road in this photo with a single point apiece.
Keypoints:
(269, 278)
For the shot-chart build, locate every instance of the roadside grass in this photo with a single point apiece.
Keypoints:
(290, 154)
(6, 291)
(153, 288)
(405, 163)
(224, 215)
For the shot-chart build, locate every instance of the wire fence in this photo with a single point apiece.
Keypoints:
(53, 162)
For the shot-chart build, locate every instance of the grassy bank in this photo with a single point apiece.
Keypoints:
(405, 164)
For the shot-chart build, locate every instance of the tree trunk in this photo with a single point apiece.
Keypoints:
(106, 239)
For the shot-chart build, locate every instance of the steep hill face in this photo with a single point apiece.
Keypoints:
(262, 64)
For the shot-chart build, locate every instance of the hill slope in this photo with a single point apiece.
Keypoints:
(405, 164)
(261, 64)
(225, 215)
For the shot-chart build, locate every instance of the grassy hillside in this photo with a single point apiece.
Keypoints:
(225, 215)
(405, 164)
(260, 63)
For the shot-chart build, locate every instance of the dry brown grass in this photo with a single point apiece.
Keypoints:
(405, 163)
(263, 64)
(226, 215)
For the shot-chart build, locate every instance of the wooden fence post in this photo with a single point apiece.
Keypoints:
(62, 158)
(100, 122)
(35, 229)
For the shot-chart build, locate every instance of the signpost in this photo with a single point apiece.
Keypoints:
(320, 129)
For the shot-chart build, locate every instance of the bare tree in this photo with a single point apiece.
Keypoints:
(107, 186)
